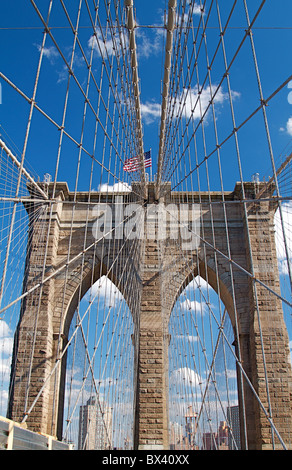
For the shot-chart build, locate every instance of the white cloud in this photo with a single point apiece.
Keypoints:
(189, 104)
(3, 401)
(50, 53)
(150, 111)
(279, 236)
(195, 102)
(105, 46)
(6, 346)
(185, 376)
(188, 338)
(5, 365)
(289, 126)
(6, 339)
(6, 349)
(62, 74)
(99, 45)
(198, 283)
(197, 9)
(196, 12)
(4, 329)
(106, 291)
(229, 373)
(195, 306)
(149, 44)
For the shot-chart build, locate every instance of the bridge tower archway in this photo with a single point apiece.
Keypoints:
(237, 257)
(38, 378)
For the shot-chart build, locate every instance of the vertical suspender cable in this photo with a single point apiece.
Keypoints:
(135, 80)
(165, 92)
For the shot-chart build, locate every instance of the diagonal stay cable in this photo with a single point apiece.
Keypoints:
(239, 362)
(230, 260)
(240, 126)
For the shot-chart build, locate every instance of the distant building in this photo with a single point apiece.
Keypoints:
(209, 441)
(234, 434)
(191, 427)
(222, 436)
(183, 437)
(95, 426)
(216, 440)
(176, 436)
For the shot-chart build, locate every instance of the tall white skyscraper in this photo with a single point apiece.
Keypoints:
(95, 425)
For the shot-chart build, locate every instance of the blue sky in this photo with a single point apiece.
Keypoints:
(19, 58)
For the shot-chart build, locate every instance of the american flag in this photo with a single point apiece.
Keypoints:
(133, 164)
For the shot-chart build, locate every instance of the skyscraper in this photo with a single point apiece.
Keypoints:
(95, 425)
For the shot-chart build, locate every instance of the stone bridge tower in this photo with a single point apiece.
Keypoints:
(242, 264)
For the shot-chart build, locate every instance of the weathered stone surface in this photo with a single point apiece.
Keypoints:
(263, 342)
